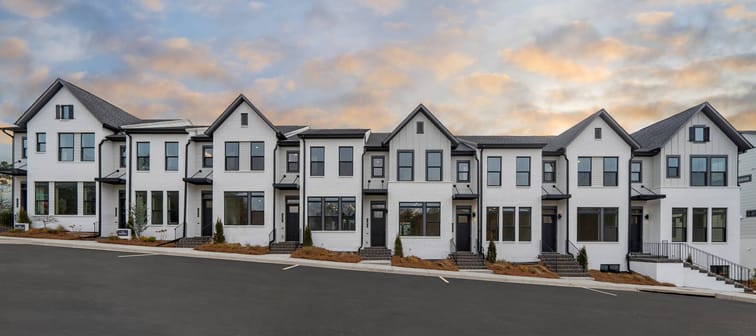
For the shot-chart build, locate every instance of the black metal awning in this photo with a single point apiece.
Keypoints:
(464, 193)
(115, 177)
(646, 195)
(286, 186)
(200, 178)
(555, 194)
(13, 171)
(375, 191)
(465, 196)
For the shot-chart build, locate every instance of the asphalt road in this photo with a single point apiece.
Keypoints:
(60, 291)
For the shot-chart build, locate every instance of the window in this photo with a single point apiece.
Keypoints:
(420, 127)
(173, 207)
(64, 112)
(315, 213)
(420, 219)
(610, 171)
(257, 155)
(65, 146)
(679, 224)
(207, 156)
(378, 166)
(636, 171)
(348, 211)
(317, 161)
(232, 156)
(143, 156)
(157, 208)
(492, 223)
(244, 119)
(584, 171)
(744, 179)
(463, 171)
(493, 166)
(522, 176)
(700, 224)
(292, 161)
(122, 156)
(525, 223)
(433, 165)
(87, 147)
(171, 156)
(332, 213)
(750, 213)
(718, 175)
(549, 171)
(141, 202)
(244, 208)
(597, 133)
(41, 142)
(66, 198)
(708, 171)
(24, 146)
(673, 166)
(508, 224)
(41, 198)
(406, 165)
(698, 134)
(346, 163)
(598, 224)
(719, 225)
(698, 171)
(90, 198)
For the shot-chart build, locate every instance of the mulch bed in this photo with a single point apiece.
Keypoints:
(415, 262)
(535, 270)
(317, 253)
(233, 248)
(626, 278)
(48, 234)
(135, 242)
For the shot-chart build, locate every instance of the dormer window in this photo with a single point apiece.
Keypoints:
(64, 112)
(244, 119)
(597, 133)
(420, 127)
(698, 133)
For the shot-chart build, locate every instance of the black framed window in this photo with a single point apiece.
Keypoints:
(317, 161)
(598, 224)
(525, 223)
(420, 219)
(698, 171)
(292, 161)
(522, 167)
(65, 146)
(41, 198)
(156, 208)
(315, 213)
(173, 207)
(24, 146)
(232, 156)
(493, 170)
(549, 171)
(378, 166)
(140, 202)
(348, 220)
(346, 161)
(256, 208)
(332, 213)
(405, 165)
(207, 156)
(143, 156)
(171, 156)
(64, 112)
(122, 157)
(420, 127)
(718, 174)
(679, 224)
(636, 171)
(463, 171)
(718, 225)
(673, 166)
(597, 133)
(257, 155)
(41, 142)
(87, 146)
(244, 207)
(66, 198)
(89, 190)
(708, 171)
(698, 133)
(700, 224)
(611, 165)
(508, 224)
(492, 223)
(433, 165)
(244, 119)
(584, 171)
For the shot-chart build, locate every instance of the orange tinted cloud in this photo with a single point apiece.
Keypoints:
(34, 9)
(653, 18)
(485, 83)
(181, 58)
(534, 59)
(256, 57)
(739, 12)
(13, 48)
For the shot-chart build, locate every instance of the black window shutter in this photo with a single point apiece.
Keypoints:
(706, 133)
(57, 111)
(71, 116)
(692, 134)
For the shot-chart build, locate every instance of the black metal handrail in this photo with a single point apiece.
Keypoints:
(574, 251)
(452, 246)
(701, 259)
(271, 237)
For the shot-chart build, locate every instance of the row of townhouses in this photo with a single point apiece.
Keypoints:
(86, 162)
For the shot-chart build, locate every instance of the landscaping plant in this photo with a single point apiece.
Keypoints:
(307, 241)
(137, 220)
(218, 237)
(23, 217)
(398, 250)
(491, 255)
(582, 258)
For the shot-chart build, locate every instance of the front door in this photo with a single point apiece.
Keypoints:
(378, 224)
(207, 214)
(548, 230)
(636, 230)
(121, 209)
(292, 219)
(463, 229)
(23, 197)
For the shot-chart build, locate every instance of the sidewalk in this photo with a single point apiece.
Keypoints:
(376, 267)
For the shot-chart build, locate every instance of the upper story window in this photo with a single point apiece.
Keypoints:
(463, 171)
(122, 156)
(257, 160)
(24, 146)
(405, 165)
(143, 156)
(378, 166)
(433, 165)
(317, 161)
(420, 127)
(346, 161)
(41, 142)
(65, 146)
(493, 170)
(597, 133)
(244, 119)
(673, 166)
(171, 156)
(64, 112)
(636, 171)
(292, 161)
(584, 171)
(698, 133)
(87, 146)
(232, 156)
(610, 171)
(522, 175)
(708, 171)
(549, 171)
(207, 156)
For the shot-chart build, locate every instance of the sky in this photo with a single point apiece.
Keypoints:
(483, 67)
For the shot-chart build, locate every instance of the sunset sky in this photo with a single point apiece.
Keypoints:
(483, 67)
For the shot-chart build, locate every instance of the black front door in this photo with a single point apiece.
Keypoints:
(292, 219)
(377, 224)
(207, 214)
(636, 230)
(23, 197)
(121, 209)
(463, 229)
(548, 230)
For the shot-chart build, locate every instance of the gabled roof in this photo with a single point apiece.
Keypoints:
(507, 141)
(231, 108)
(111, 116)
(288, 128)
(656, 135)
(424, 110)
(561, 141)
(340, 133)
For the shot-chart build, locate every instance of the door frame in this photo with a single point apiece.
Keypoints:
(555, 217)
(286, 215)
(121, 213)
(203, 198)
(373, 207)
(457, 213)
(640, 228)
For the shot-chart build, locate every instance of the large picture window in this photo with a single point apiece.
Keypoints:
(525, 220)
(522, 176)
(346, 161)
(41, 198)
(420, 219)
(257, 159)
(719, 225)
(508, 224)
(433, 165)
(244, 208)
(317, 161)
(87, 146)
(66, 198)
(232, 156)
(332, 213)
(700, 224)
(610, 171)
(173, 207)
(143, 156)
(493, 170)
(584, 171)
(65, 146)
(598, 224)
(406, 165)
(492, 223)
(679, 224)
(90, 198)
(171, 156)
(157, 208)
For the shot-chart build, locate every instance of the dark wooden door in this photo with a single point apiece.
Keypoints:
(548, 231)
(377, 225)
(121, 209)
(292, 219)
(207, 214)
(463, 232)
(23, 197)
(636, 230)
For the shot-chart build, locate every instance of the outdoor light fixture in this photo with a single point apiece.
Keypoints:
(646, 216)
(559, 216)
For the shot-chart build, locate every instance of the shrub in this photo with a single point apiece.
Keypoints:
(307, 241)
(130, 223)
(582, 258)
(398, 249)
(491, 255)
(689, 259)
(6, 218)
(148, 239)
(218, 237)
(23, 217)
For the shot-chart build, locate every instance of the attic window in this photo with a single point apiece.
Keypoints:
(420, 127)
(244, 119)
(597, 133)
(698, 134)
(64, 112)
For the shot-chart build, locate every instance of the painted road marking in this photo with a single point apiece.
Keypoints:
(137, 255)
(598, 291)
(442, 279)
(289, 267)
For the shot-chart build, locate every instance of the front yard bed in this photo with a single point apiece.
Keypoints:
(415, 262)
(233, 248)
(317, 253)
(138, 242)
(626, 278)
(58, 233)
(535, 270)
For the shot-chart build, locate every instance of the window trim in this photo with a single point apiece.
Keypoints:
(45, 202)
(440, 164)
(382, 167)
(60, 112)
(289, 163)
(226, 156)
(425, 207)
(722, 228)
(341, 201)
(44, 142)
(530, 162)
(248, 195)
(420, 127)
(489, 171)
(142, 156)
(252, 157)
(640, 171)
(597, 133)
(204, 159)
(165, 152)
(312, 162)
(553, 164)
(705, 135)
(76, 201)
(589, 172)
(399, 165)
(61, 148)
(244, 119)
(679, 162)
(81, 154)
(601, 232)
(708, 173)
(467, 162)
(615, 172)
(344, 162)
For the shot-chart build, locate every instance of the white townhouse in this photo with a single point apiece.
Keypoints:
(746, 174)
(664, 193)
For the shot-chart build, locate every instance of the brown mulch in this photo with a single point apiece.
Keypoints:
(233, 248)
(415, 262)
(626, 278)
(135, 242)
(535, 270)
(48, 234)
(317, 253)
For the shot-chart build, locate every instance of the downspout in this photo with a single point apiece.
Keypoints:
(480, 201)
(362, 200)
(99, 186)
(13, 177)
(275, 158)
(303, 204)
(186, 175)
(629, 207)
(567, 206)
(131, 159)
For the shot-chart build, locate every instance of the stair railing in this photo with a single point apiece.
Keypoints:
(709, 262)
(271, 237)
(574, 251)
(452, 246)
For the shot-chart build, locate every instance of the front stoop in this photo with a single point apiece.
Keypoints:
(283, 247)
(192, 242)
(468, 260)
(564, 265)
(375, 253)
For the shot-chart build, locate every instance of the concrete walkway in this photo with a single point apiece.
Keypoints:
(377, 267)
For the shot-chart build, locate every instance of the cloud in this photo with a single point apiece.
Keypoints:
(382, 7)
(485, 83)
(256, 57)
(653, 18)
(35, 9)
(256, 6)
(13, 48)
(739, 12)
(180, 58)
(451, 64)
(152, 5)
(534, 59)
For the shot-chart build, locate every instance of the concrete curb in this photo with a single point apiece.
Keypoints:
(375, 267)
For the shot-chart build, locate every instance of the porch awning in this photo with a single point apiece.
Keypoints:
(645, 194)
(286, 186)
(465, 196)
(12, 171)
(200, 178)
(114, 177)
(375, 191)
(554, 194)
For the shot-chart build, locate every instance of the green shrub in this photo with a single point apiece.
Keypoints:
(398, 249)
(582, 258)
(23, 217)
(307, 241)
(148, 239)
(491, 255)
(218, 237)
(6, 218)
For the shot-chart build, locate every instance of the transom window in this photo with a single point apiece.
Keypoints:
(292, 161)
(636, 171)
(420, 219)
(143, 156)
(493, 167)
(65, 146)
(433, 165)
(522, 176)
(610, 171)
(317, 161)
(232, 156)
(346, 161)
(87, 146)
(598, 224)
(171, 156)
(584, 171)
(406, 162)
(244, 208)
(463, 171)
(331, 213)
(549, 171)
(378, 166)
(257, 155)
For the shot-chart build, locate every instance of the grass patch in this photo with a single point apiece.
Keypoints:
(233, 248)
(415, 262)
(57, 233)
(626, 278)
(535, 270)
(145, 241)
(318, 253)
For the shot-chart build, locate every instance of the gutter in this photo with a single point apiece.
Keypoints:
(274, 192)
(480, 201)
(99, 186)
(131, 159)
(186, 184)
(303, 204)
(567, 206)
(629, 207)
(13, 178)
(362, 206)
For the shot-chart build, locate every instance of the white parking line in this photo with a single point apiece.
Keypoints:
(443, 279)
(598, 291)
(289, 267)
(137, 255)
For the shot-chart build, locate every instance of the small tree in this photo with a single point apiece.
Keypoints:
(138, 220)
(23, 217)
(218, 237)
(398, 249)
(491, 255)
(582, 258)
(307, 241)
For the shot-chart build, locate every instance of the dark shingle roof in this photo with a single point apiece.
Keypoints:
(376, 139)
(334, 133)
(424, 110)
(561, 141)
(507, 141)
(288, 128)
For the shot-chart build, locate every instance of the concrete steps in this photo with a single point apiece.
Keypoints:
(468, 260)
(192, 242)
(375, 253)
(562, 264)
(283, 247)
